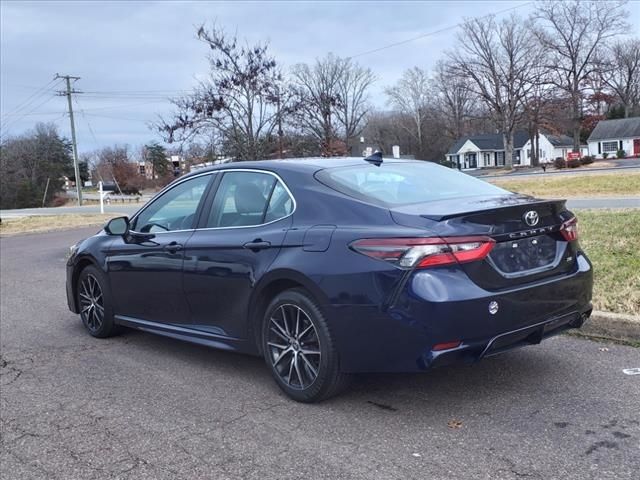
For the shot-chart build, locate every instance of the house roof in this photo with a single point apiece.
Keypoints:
(489, 141)
(616, 129)
(559, 140)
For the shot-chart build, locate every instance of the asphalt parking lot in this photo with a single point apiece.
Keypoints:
(140, 406)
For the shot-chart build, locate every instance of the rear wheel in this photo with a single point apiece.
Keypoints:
(94, 301)
(299, 349)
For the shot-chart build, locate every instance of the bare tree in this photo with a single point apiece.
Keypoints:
(575, 32)
(410, 97)
(623, 74)
(330, 99)
(499, 60)
(352, 88)
(239, 99)
(452, 99)
(315, 89)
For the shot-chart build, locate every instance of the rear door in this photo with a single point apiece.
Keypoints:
(241, 231)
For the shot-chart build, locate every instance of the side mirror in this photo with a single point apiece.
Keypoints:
(117, 226)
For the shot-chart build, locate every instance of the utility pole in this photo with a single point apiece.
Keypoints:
(279, 113)
(76, 167)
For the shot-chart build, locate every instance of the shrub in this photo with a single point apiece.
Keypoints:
(58, 201)
(621, 153)
(586, 160)
(559, 162)
(573, 163)
(605, 154)
(448, 163)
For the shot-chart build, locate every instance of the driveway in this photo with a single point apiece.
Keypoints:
(141, 406)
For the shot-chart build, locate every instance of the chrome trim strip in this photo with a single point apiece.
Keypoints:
(171, 186)
(225, 170)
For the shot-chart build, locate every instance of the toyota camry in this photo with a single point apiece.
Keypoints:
(331, 267)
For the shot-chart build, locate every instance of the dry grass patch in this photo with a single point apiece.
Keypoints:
(611, 239)
(611, 185)
(45, 223)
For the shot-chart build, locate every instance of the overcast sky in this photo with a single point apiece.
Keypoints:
(131, 54)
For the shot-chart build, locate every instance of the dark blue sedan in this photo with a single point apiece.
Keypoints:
(330, 267)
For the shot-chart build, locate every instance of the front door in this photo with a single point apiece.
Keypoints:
(145, 266)
(636, 146)
(239, 236)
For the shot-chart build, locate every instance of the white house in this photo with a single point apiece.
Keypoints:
(609, 136)
(551, 147)
(487, 150)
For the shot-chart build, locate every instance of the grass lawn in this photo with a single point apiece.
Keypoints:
(611, 239)
(613, 185)
(45, 223)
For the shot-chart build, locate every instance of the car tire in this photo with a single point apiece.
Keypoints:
(299, 349)
(95, 303)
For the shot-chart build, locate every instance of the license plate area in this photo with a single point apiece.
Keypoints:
(526, 255)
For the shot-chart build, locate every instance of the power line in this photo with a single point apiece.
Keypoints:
(116, 118)
(436, 32)
(31, 98)
(95, 140)
(13, 121)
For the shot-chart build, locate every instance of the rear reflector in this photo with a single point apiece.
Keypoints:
(438, 347)
(425, 252)
(569, 230)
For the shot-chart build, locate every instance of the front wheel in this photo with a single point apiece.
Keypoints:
(94, 300)
(299, 349)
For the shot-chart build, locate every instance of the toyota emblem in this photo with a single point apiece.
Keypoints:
(531, 218)
(493, 307)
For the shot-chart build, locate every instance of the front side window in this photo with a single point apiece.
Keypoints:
(247, 199)
(175, 209)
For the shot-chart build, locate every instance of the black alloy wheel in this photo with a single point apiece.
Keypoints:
(299, 349)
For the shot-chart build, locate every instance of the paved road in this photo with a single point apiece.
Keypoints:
(126, 209)
(140, 406)
(119, 208)
(621, 167)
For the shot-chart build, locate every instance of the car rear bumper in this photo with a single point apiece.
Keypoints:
(443, 305)
(471, 352)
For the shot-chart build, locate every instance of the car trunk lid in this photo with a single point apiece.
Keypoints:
(529, 245)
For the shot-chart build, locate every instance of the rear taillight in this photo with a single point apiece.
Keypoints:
(569, 230)
(425, 252)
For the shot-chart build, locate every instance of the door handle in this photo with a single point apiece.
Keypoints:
(173, 247)
(257, 244)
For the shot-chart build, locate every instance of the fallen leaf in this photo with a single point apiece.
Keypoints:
(604, 349)
(454, 424)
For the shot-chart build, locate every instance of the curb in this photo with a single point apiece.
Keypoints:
(612, 326)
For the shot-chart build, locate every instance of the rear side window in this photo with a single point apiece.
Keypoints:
(395, 184)
(246, 199)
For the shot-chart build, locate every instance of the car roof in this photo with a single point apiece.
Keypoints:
(311, 164)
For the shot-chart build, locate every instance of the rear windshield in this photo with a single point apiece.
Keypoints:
(396, 184)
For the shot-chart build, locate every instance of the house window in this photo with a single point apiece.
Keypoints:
(609, 147)
(516, 157)
(142, 170)
(500, 159)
